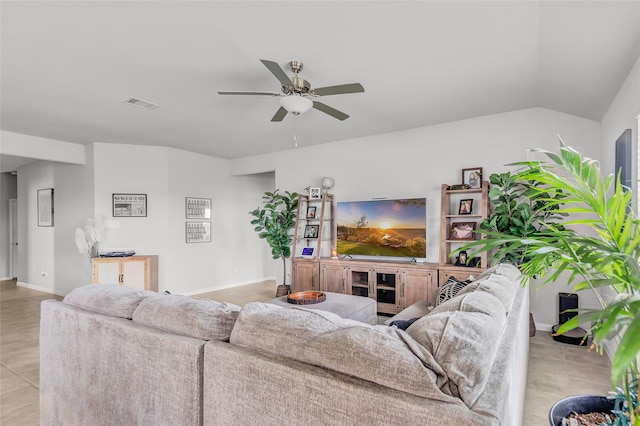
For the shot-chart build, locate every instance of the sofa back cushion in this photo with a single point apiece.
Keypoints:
(376, 353)
(499, 286)
(201, 318)
(463, 335)
(106, 299)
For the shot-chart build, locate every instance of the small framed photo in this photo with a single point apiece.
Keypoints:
(198, 208)
(462, 231)
(129, 205)
(466, 206)
(311, 231)
(472, 177)
(45, 207)
(314, 193)
(198, 232)
(311, 212)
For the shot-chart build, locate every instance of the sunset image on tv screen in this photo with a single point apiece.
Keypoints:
(382, 227)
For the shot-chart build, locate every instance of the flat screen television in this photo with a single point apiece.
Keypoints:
(394, 228)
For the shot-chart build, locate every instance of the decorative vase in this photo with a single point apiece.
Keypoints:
(283, 290)
(94, 250)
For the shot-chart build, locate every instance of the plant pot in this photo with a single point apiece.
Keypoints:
(282, 290)
(581, 404)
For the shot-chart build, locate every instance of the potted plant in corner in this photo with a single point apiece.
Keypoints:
(273, 222)
(599, 248)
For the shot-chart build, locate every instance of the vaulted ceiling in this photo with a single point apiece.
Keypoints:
(67, 65)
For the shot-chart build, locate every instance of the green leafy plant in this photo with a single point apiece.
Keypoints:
(274, 221)
(519, 209)
(598, 246)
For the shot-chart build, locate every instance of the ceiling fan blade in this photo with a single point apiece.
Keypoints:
(280, 114)
(242, 92)
(278, 72)
(331, 111)
(340, 89)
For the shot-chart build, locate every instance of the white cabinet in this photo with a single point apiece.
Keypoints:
(139, 272)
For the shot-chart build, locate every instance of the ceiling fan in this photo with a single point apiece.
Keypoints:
(296, 94)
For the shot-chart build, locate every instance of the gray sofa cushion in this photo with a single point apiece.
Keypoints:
(350, 347)
(106, 299)
(463, 342)
(499, 286)
(202, 318)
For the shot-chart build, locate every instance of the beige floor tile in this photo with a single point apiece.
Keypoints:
(32, 376)
(9, 381)
(28, 415)
(18, 398)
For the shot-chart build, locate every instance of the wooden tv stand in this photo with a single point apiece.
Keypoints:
(394, 285)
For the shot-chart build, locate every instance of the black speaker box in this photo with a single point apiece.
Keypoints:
(567, 301)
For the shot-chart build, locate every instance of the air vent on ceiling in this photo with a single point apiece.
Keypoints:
(140, 103)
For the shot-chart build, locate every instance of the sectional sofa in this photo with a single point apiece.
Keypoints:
(112, 356)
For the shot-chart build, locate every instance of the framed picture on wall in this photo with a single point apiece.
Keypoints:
(129, 205)
(45, 207)
(198, 232)
(198, 208)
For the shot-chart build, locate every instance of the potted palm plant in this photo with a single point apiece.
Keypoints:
(273, 222)
(598, 247)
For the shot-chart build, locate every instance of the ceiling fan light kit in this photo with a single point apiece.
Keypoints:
(296, 104)
(296, 92)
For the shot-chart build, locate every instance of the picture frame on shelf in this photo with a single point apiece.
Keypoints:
(472, 177)
(198, 232)
(311, 212)
(462, 231)
(45, 207)
(129, 205)
(466, 206)
(311, 231)
(197, 208)
(314, 193)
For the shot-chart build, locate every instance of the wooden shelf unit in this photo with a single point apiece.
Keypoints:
(449, 214)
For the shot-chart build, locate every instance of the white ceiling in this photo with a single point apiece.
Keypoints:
(66, 65)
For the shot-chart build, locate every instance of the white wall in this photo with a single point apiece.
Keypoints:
(8, 190)
(416, 162)
(622, 114)
(36, 244)
(167, 176)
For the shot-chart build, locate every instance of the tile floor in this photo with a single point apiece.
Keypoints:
(555, 369)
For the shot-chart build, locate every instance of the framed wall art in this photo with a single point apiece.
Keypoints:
(466, 206)
(311, 231)
(129, 205)
(198, 232)
(45, 207)
(198, 208)
(472, 177)
(462, 231)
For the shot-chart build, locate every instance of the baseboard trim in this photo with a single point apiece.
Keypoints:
(224, 287)
(543, 327)
(42, 289)
(5, 278)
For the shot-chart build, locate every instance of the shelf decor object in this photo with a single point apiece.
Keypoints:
(129, 205)
(45, 207)
(472, 177)
(197, 208)
(198, 232)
